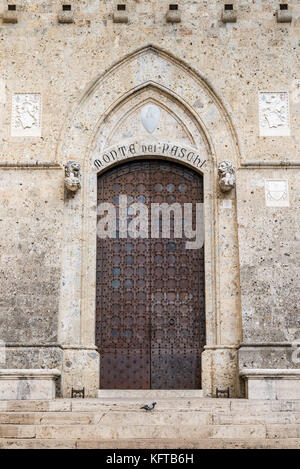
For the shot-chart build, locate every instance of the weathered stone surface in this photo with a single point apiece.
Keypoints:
(292, 443)
(25, 384)
(194, 444)
(45, 418)
(269, 273)
(271, 383)
(17, 431)
(283, 431)
(260, 424)
(58, 405)
(31, 207)
(256, 418)
(226, 91)
(37, 444)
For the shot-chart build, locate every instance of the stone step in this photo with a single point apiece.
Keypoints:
(17, 431)
(50, 418)
(184, 403)
(110, 417)
(204, 405)
(129, 404)
(121, 432)
(57, 405)
(186, 444)
(37, 444)
(185, 422)
(256, 418)
(150, 393)
(115, 416)
(151, 431)
(293, 443)
(282, 431)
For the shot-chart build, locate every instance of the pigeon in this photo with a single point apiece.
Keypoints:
(149, 407)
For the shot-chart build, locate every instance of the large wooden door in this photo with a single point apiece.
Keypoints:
(150, 321)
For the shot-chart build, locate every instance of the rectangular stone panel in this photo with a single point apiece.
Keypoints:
(22, 384)
(277, 193)
(26, 115)
(274, 114)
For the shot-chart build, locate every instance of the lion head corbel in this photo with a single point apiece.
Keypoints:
(72, 176)
(226, 171)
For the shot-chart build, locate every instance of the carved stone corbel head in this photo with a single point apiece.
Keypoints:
(226, 171)
(72, 176)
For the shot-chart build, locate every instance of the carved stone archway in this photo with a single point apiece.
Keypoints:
(106, 119)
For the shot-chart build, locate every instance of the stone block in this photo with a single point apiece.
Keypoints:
(66, 16)
(17, 431)
(80, 370)
(57, 405)
(271, 383)
(27, 384)
(16, 418)
(216, 443)
(284, 16)
(282, 431)
(173, 16)
(120, 15)
(219, 367)
(36, 444)
(162, 418)
(10, 16)
(239, 431)
(229, 16)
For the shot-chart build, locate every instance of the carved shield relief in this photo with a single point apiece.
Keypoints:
(150, 115)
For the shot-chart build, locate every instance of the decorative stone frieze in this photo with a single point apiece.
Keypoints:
(226, 173)
(72, 176)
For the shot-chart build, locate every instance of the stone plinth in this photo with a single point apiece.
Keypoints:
(271, 383)
(28, 384)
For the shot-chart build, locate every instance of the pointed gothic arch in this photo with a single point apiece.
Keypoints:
(150, 75)
(180, 81)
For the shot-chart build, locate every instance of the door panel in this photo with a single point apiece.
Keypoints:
(123, 291)
(150, 322)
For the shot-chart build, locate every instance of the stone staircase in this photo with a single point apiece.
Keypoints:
(181, 419)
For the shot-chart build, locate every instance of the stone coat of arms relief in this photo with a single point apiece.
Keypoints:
(150, 115)
(26, 115)
(277, 193)
(273, 114)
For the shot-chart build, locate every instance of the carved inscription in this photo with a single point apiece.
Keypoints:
(137, 149)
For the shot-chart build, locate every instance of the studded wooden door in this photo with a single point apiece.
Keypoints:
(150, 321)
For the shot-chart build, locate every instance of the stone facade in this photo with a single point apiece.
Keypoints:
(73, 91)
